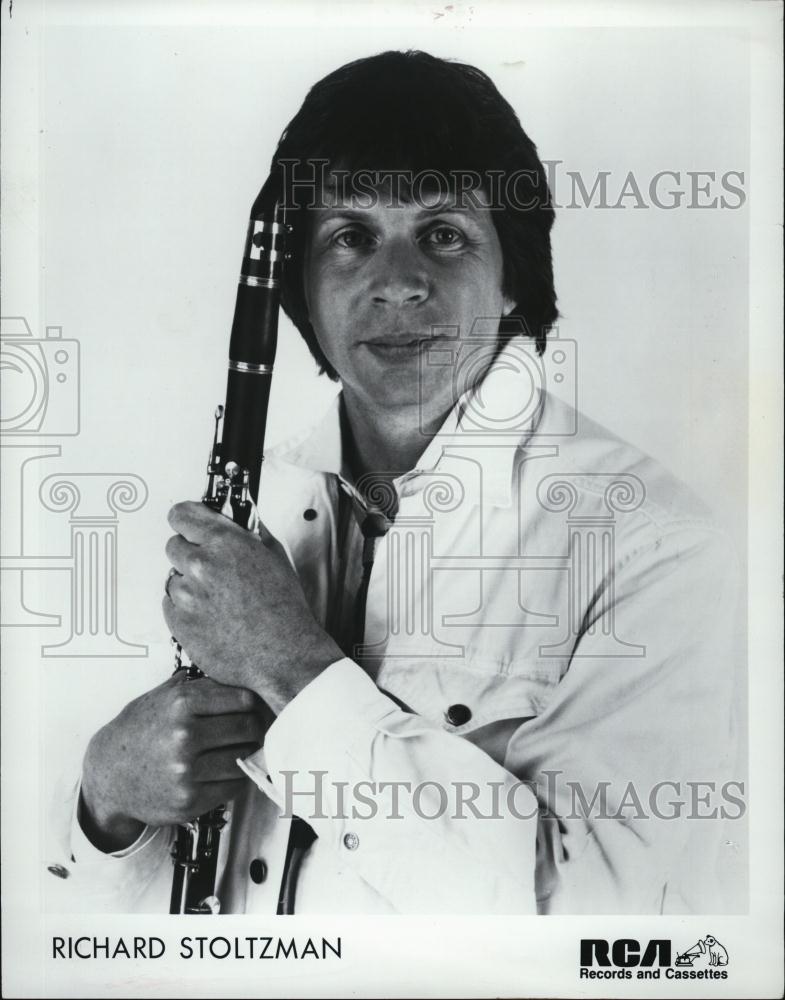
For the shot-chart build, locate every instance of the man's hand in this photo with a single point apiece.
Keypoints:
(238, 608)
(169, 756)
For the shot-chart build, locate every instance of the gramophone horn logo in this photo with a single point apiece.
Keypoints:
(709, 950)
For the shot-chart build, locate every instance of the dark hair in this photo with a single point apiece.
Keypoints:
(412, 112)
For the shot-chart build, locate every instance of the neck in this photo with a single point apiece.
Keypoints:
(385, 443)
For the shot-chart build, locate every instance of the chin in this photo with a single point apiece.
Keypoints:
(402, 388)
(397, 396)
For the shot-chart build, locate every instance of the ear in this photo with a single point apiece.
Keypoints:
(509, 305)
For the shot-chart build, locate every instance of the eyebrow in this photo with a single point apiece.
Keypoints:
(324, 215)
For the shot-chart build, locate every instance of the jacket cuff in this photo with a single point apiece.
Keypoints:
(331, 711)
(342, 695)
(85, 854)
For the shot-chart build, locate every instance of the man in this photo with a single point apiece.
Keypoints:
(477, 636)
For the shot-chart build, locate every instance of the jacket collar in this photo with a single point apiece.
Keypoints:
(488, 425)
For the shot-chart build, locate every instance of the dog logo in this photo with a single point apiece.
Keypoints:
(709, 950)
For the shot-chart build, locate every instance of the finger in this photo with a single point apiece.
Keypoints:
(264, 535)
(179, 617)
(179, 595)
(215, 793)
(181, 554)
(275, 545)
(217, 731)
(208, 795)
(170, 617)
(195, 521)
(221, 765)
(207, 697)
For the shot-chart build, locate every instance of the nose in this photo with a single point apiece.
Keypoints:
(400, 275)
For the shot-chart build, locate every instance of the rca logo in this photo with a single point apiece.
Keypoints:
(624, 953)
(627, 958)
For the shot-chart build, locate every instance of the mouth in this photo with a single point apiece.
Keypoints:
(400, 344)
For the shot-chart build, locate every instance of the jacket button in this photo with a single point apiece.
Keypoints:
(309, 514)
(351, 841)
(59, 870)
(458, 715)
(258, 871)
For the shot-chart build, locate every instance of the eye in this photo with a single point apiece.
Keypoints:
(352, 238)
(444, 237)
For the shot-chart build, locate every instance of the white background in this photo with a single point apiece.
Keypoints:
(140, 140)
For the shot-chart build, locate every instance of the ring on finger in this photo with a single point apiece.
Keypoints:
(172, 572)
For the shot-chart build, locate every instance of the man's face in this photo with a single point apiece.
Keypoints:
(380, 280)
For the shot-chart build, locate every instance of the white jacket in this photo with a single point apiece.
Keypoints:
(557, 612)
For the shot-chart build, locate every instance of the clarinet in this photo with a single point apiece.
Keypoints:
(233, 473)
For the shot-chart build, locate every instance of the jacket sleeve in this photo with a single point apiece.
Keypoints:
(629, 761)
(633, 756)
(83, 879)
(383, 788)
